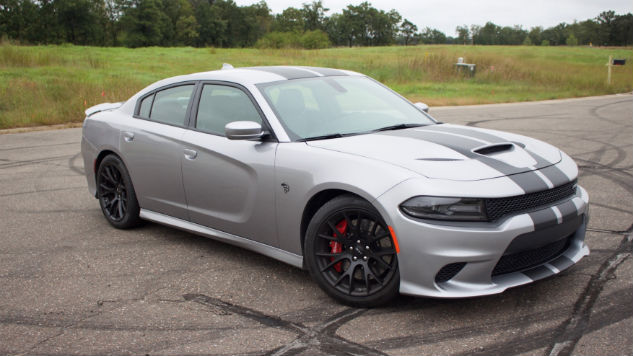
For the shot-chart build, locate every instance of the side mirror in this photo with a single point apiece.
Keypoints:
(422, 106)
(243, 130)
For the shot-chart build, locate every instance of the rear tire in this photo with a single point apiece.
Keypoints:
(116, 194)
(350, 254)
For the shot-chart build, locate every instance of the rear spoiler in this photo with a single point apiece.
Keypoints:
(102, 107)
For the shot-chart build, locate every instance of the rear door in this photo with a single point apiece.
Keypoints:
(229, 184)
(152, 148)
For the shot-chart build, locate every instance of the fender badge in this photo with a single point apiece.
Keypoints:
(286, 187)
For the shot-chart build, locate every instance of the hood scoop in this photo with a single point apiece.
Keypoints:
(494, 149)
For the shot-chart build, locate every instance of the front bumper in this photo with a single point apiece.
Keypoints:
(477, 248)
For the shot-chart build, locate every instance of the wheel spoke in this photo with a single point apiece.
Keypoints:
(374, 276)
(328, 254)
(379, 237)
(106, 188)
(366, 278)
(351, 280)
(120, 208)
(108, 174)
(333, 227)
(327, 237)
(384, 253)
(340, 279)
(385, 264)
(332, 263)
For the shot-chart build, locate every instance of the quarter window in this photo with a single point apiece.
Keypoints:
(146, 106)
(169, 106)
(220, 104)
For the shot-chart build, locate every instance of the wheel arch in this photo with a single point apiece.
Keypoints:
(97, 161)
(314, 203)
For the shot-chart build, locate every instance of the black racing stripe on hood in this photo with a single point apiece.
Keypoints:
(469, 132)
(326, 71)
(528, 180)
(551, 172)
(287, 72)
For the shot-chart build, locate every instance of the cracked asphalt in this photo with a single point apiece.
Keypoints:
(70, 284)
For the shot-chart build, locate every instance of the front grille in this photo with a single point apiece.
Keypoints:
(498, 207)
(526, 259)
(449, 271)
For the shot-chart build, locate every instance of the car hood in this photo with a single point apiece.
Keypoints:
(451, 152)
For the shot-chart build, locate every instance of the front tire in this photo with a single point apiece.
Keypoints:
(116, 194)
(350, 254)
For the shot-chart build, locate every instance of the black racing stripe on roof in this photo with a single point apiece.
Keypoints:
(326, 71)
(287, 72)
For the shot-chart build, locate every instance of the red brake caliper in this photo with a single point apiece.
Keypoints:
(335, 246)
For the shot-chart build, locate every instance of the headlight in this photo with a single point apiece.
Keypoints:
(443, 208)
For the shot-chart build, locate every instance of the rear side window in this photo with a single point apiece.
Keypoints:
(221, 104)
(168, 106)
(146, 106)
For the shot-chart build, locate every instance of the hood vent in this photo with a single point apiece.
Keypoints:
(494, 149)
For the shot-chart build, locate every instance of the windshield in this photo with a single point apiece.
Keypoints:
(337, 106)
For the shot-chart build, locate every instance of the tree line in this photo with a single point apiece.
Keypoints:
(222, 23)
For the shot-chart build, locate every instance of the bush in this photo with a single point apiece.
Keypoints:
(277, 39)
(545, 43)
(571, 40)
(309, 40)
(527, 41)
(315, 39)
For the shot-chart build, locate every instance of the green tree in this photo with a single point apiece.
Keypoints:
(605, 21)
(290, 20)
(408, 31)
(187, 30)
(527, 41)
(314, 16)
(622, 29)
(143, 22)
(211, 25)
(432, 36)
(571, 40)
(545, 43)
(463, 34)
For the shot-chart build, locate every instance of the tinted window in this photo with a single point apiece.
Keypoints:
(346, 105)
(146, 106)
(220, 105)
(170, 105)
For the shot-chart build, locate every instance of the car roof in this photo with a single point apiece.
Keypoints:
(258, 75)
(244, 75)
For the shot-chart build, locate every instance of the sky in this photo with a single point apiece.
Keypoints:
(445, 15)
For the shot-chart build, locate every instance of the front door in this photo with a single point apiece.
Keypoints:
(229, 184)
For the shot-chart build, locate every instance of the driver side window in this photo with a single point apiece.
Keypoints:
(221, 104)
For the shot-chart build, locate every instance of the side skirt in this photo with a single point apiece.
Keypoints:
(266, 250)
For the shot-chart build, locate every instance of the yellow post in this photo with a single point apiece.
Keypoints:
(609, 65)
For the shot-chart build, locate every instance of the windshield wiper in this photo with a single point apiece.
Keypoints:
(398, 127)
(322, 137)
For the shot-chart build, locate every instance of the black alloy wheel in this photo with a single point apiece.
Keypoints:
(350, 253)
(116, 193)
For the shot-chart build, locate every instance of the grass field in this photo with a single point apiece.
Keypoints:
(42, 85)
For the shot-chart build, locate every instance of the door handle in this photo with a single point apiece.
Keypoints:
(128, 136)
(190, 154)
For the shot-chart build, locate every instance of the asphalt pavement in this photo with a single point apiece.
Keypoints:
(71, 284)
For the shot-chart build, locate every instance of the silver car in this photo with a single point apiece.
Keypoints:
(331, 171)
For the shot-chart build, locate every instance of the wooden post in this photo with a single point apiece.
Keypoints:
(609, 65)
